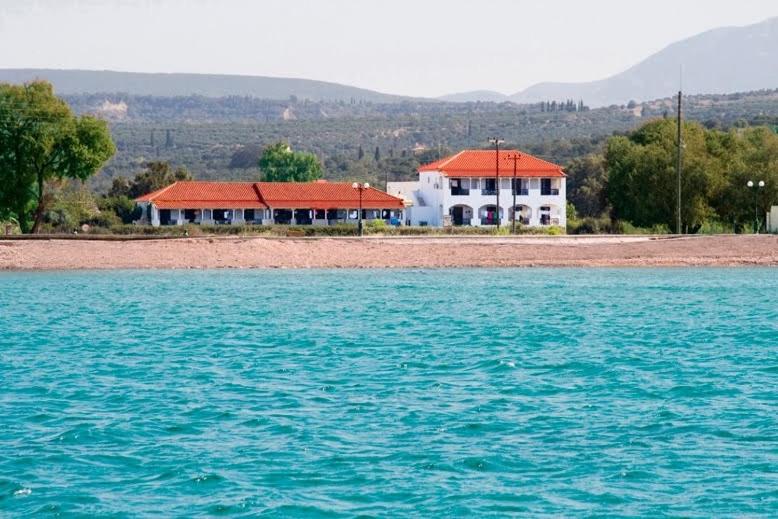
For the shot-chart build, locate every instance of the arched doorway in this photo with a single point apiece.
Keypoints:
(461, 215)
(549, 214)
(522, 213)
(488, 214)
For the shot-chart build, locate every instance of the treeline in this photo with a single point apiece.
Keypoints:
(563, 106)
(186, 131)
(619, 171)
(633, 179)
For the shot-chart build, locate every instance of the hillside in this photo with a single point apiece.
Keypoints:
(730, 59)
(70, 82)
(221, 138)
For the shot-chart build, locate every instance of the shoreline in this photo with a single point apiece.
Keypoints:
(389, 252)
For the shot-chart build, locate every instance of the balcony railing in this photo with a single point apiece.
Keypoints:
(521, 192)
(549, 192)
(458, 191)
(489, 192)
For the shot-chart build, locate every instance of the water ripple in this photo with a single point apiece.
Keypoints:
(390, 393)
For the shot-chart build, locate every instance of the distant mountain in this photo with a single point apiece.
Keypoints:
(729, 59)
(487, 96)
(70, 82)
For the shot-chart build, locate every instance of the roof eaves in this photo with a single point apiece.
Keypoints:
(155, 194)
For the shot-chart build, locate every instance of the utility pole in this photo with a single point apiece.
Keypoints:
(497, 141)
(515, 157)
(679, 154)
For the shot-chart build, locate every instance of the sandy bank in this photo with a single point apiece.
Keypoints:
(390, 252)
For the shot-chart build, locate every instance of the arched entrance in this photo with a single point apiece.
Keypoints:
(549, 214)
(522, 213)
(488, 214)
(461, 214)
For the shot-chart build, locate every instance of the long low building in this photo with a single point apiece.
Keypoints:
(464, 189)
(267, 203)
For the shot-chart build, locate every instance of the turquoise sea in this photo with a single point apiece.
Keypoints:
(430, 393)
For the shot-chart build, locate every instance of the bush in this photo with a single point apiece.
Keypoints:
(591, 225)
(628, 228)
(8, 227)
(716, 227)
(376, 227)
(109, 225)
(123, 207)
(104, 219)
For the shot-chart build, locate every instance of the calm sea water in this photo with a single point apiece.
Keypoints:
(569, 392)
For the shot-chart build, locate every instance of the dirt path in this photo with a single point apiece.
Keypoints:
(414, 252)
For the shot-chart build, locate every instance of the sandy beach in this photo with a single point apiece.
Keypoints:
(395, 252)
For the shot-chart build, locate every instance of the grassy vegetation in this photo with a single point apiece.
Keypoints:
(344, 230)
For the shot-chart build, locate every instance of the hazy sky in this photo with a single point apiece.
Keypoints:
(411, 47)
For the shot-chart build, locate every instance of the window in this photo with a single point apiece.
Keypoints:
(546, 188)
(460, 187)
(490, 186)
(521, 187)
(249, 215)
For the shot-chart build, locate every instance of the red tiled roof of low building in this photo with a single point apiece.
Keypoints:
(206, 195)
(482, 163)
(262, 195)
(324, 195)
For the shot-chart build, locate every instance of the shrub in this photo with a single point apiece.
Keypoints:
(376, 227)
(628, 228)
(591, 225)
(8, 227)
(124, 207)
(716, 227)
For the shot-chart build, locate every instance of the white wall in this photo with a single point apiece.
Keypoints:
(436, 191)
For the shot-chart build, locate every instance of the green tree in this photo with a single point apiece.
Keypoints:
(752, 155)
(587, 185)
(642, 178)
(156, 175)
(42, 140)
(280, 164)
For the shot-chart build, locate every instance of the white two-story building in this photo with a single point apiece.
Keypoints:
(464, 189)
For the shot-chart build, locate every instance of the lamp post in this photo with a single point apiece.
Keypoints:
(755, 187)
(496, 141)
(360, 188)
(515, 157)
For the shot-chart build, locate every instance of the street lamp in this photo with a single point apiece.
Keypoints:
(515, 157)
(756, 187)
(496, 141)
(360, 188)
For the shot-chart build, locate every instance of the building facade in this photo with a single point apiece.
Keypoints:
(463, 190)
(267, 203)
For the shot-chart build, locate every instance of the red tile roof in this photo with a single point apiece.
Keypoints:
(481, 163)
(324, 195)
(262, 195)
(206, 195)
